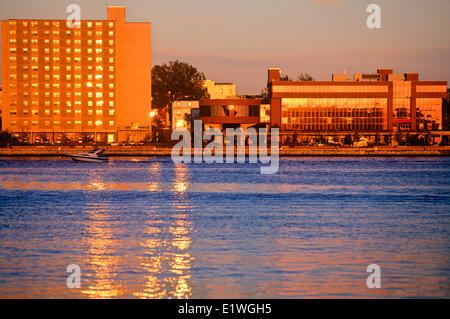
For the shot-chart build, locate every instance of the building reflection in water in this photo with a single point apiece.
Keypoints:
(167, 258)
(102, 257)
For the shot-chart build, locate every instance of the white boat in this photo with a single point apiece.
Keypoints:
(94, 155)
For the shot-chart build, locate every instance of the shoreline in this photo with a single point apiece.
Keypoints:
(308, 151)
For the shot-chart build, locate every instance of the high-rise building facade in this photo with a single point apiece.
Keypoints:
(380, 102)
(91, 80)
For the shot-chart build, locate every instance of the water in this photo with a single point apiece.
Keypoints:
(149, 228)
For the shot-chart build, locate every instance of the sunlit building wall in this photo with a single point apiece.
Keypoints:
(1, 100)
(381, 102)
(220, 90)
(179, 111)
(93, 79)
(230, 113)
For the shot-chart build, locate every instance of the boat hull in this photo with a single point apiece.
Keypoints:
(77, 158)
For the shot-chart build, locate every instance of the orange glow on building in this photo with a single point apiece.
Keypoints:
(93, 80)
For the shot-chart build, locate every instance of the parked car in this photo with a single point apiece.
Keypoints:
(37, 141)
(363, 142)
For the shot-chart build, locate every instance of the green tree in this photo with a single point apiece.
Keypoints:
(305, 77)
(174, 82)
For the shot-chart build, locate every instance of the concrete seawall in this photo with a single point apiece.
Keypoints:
(55, 151)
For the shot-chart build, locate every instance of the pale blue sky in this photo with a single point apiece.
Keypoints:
(237, 40)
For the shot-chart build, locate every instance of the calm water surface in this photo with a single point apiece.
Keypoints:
(149, 228)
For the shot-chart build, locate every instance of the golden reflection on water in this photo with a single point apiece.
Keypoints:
(101, 256)
(167, 259)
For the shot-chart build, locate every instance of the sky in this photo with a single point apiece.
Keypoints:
(238, 40)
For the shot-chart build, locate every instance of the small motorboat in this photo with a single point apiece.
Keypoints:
(94, 155)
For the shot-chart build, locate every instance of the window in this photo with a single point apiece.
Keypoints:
(99, 112)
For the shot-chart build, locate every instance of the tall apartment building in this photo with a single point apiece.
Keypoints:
(93, 80)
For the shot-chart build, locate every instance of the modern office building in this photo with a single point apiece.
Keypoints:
(379, 102)
(92, 80)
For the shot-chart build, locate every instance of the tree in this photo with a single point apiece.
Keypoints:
(305, 77)
(7, 139)
(174, 82)
(285, 78)
(188, 119)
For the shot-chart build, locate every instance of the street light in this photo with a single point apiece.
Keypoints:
(152, 114)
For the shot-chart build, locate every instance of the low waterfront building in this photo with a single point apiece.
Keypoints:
(380, 102)
(91, 81)
(230, 113)
(220, 90)
(181, 113)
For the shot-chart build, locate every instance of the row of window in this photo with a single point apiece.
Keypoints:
(68, 112)
(76, 59)
(54, 50)
(25, 76)
(329, 88)
(57, 42)
(334, 102)
(57, 103)
(97, 123)
(35, 85)
(431, 88)
(57, 24)
(229, 110)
